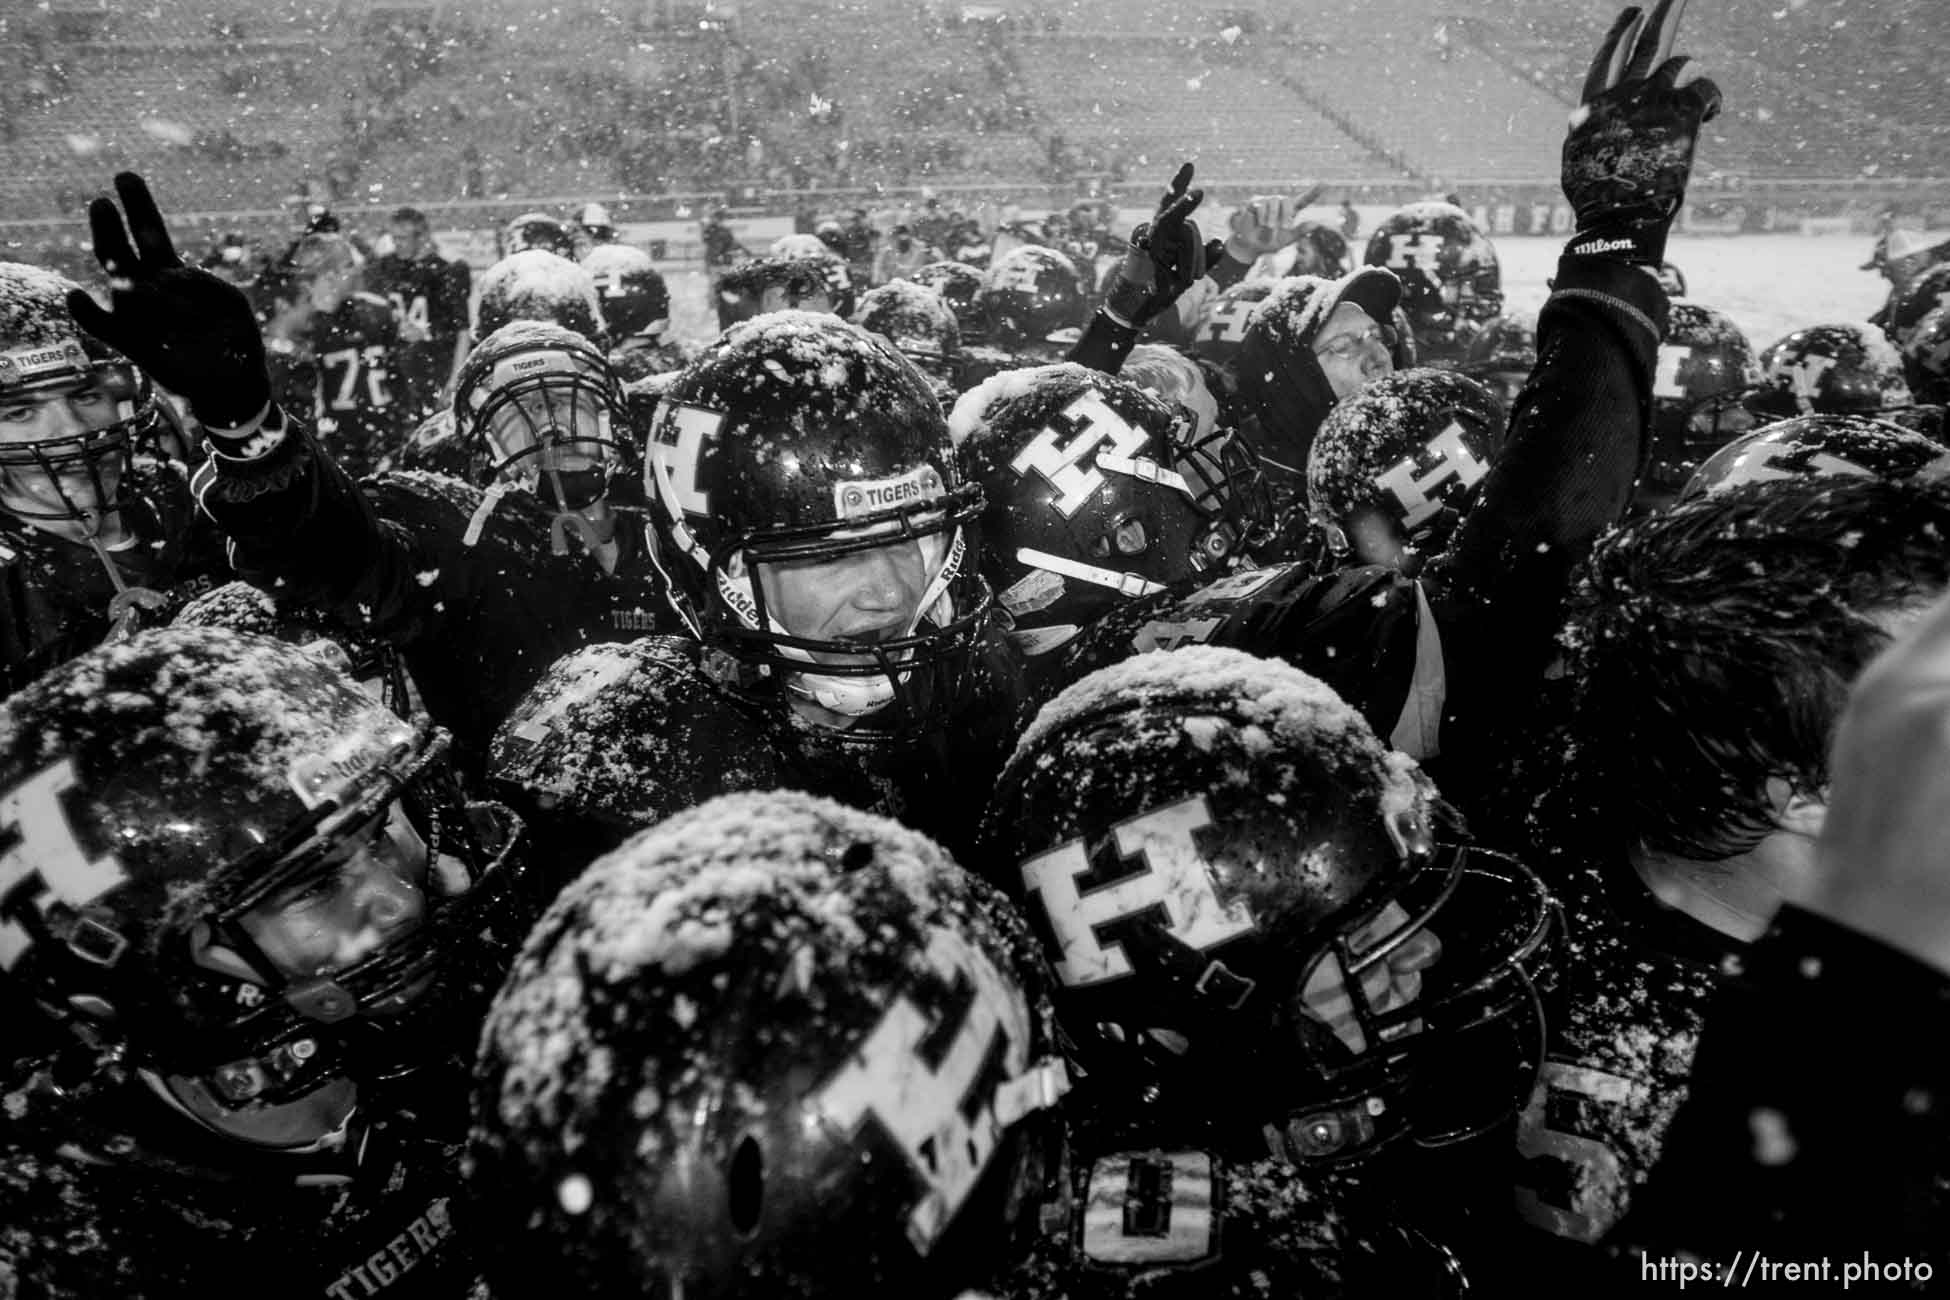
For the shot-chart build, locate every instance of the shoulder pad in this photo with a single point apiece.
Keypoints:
(629, 733)
(366, 298)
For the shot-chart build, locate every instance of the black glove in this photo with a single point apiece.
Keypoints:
(1630, 149)
(194, 334)
(1166, 257)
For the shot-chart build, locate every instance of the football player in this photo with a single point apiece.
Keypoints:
(1451, 281)
(1275, 963)
(98, 533)
(636, 308)
(1710, 649)
(482, 589)
(1706, 372)
(818, 542)
(429, 295)
(250, 930)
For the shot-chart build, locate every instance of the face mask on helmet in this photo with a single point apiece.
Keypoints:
(1251, 918)
(1396, 466)
(254, 879)
(960, 286)
(539, 406)
(72, 412)
(1088, 501)
(852, 1046)
(807, 514)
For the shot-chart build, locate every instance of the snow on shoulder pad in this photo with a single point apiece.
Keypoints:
(1292, 707)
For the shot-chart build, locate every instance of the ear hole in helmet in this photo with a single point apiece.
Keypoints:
(747, 1185)
(856, 855)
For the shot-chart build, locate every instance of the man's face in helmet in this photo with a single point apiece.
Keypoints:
(867, 596)
(409, 239)
(777, 297)
(328, 287)
(571, 469)
(1352, 350)
(67, 410)
(1392, 982)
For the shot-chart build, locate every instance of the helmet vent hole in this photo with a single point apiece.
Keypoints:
(856, 856)
(747, 1186)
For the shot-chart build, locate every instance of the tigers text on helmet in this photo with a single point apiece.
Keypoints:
(1244, 898)
(1451, 280)
(1088, 502)
(770, 1047)
(797, 449)
(73, 411)
(1396, 466)
(537, 407)
(180, 796)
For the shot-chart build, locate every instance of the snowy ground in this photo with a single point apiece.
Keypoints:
(1770, 284)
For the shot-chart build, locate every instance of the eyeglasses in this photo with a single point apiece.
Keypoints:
(1346, 347)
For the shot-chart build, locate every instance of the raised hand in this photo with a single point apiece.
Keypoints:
(1630, 149)
(193, 333)
(1167, 256)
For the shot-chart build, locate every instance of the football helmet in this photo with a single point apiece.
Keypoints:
(1319, 249)
(1223, 471)
(1088, 501)
(595, 222)
(1222, 327)
(537, 284)
(798, 438)
(1034, 301)
(1841, 369)
(1451, 280)
(78, 475)
(1930, 291)
(1394, 467)
(163, 791)
(1706, 369)
(960, 286)
(537, 230)
(1503, 355)
(635, 301)
(366, 659)
(535, 406)
(1926, 357)
(921, 327)
(771, 1047)
(1809, 446)
(1239, 889)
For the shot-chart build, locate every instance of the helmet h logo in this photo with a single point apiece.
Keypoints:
(1228, 322)
(1804, 379)
(1085, 422)
(1018, 275)
(1665, 374)
(676, 453)
(42, 857)
(1421, 496)
(1413, 248)
(1758, 465)
(928, 1076)
(1160, 876)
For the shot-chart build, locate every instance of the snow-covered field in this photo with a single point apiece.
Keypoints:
(1769, 284)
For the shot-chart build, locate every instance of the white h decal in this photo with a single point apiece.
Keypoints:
(1453, 459)
(1665, 375)
(1058, 465)
(43, 857)
(678, 447)
(1804, 380)
(940, 1114)
(1175, 878)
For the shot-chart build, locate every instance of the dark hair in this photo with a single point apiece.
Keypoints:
(1711, 647)
(412, 215)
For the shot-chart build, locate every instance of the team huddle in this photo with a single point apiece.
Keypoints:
(1240, 779)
